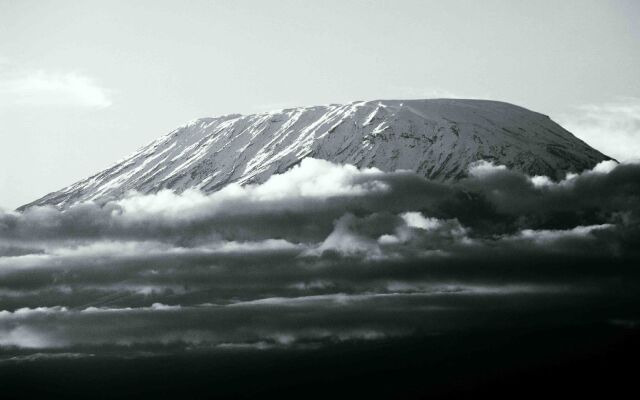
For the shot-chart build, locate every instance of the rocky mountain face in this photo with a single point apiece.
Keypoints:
(436, 138)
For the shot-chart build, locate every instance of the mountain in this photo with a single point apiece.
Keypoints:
(436, 138)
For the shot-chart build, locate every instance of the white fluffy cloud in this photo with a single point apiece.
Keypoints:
(602, 168)
(482, 169)
(311, 179)
(613, 127)
(45, 88)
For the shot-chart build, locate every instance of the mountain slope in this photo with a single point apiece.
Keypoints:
(436, 138)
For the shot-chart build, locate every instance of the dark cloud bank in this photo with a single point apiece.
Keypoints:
(322, 259)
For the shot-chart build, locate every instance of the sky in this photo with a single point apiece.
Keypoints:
(85, 83)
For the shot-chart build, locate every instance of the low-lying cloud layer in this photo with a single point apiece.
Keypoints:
(323, 253)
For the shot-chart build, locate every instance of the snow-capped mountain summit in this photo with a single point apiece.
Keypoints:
(436, 138)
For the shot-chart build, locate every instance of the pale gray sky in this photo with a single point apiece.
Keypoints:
(84, 83)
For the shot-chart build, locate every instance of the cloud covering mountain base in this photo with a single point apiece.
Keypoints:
(322, 254)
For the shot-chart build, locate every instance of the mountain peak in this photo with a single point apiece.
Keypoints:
(437, 138)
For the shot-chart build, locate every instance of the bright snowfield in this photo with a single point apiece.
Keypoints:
(438, 139)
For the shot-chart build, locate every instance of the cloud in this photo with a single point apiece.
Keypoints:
(45, 88)
(345, 240)
(482, 168)
(613, 127)
(311, 180)
(417, 220)
(323, 253)
(25, 338)
(544, 237)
